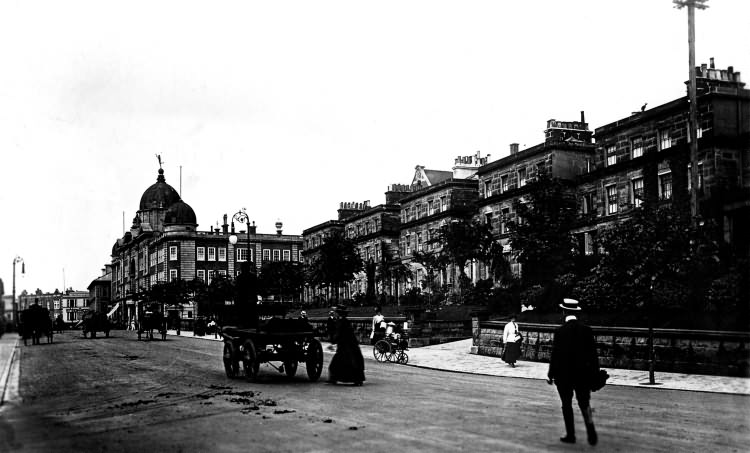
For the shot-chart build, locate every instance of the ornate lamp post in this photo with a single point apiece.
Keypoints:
(17, 259)
(241, 217)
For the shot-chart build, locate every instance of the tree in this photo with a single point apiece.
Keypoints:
(336, 263)
(282, 278)
(391, 271)
(462, 241)
(540, 236)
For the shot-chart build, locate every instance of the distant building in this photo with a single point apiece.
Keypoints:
(164, 244)
(100, 291)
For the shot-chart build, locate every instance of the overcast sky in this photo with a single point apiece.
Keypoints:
(287, 108)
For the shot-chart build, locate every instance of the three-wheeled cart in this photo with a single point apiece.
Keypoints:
(289, 341)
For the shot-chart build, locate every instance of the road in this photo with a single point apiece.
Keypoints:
(119, 394)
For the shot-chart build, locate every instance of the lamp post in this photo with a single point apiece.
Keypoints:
(17, 259)
(241, 217)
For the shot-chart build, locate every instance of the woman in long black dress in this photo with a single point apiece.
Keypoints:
(347, 365)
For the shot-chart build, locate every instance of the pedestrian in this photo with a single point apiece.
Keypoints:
(347, 365)
(331, 325)
(377, 326)
(512, 342)
(573, 365)
(303, 315)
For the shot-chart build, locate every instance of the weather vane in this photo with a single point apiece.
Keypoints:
(158, 157)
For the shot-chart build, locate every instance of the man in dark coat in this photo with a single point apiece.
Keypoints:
(573, 364)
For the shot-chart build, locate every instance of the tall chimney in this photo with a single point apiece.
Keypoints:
(583, 118)
(225, 226)
(712, 63)
(513, 148)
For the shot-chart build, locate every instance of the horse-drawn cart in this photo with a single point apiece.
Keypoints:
(289, 341)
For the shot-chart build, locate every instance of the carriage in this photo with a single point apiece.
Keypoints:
(93, 322)
(392, 348)
(152, 319)
(35, 322)
(288, 341)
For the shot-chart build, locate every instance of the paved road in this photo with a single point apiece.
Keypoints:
(121, 394)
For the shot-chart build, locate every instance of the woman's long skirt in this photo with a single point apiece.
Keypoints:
(347, 365)
(512, 352)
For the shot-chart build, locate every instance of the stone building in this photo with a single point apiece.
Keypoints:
(164, 244)
(660, 136)
(312, 239)
(566, 153)
(436, 198)
(100, 291)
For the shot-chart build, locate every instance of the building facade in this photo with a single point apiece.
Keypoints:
(164, 245)
(604, 169)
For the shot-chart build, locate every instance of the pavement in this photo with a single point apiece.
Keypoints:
(456, 357)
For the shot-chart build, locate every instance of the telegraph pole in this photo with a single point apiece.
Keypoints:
(693, 120)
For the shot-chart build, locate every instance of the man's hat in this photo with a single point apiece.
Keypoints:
(570, 304)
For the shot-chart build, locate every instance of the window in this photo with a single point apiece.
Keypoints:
(201, 275)
(665, 140)
(408, 244)
(200, 253)
(521, 177)
(487, 188)
(419, 242)
(276, 254)
(505, 218)
(588, 203)
(611, 199)
(488, 218)
(611, 155)
(700, 177)
(222, 254)
(637, 192)
(241, 255)
(173, 253)
(172, 275)
(636, 147)
(222, 272)
(665, 186)
(212, 254)
(160, 256)
(287, 255)
(504, 183)
(443, 204)
(431, 207)
(153, 259)
(266, 255)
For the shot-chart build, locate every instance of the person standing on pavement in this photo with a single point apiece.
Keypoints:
(512, 342)
(347, 365)
(331, 325)
(377, 328)
(573, 364)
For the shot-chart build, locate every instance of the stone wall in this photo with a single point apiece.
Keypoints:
(678, 351)
(421, 333)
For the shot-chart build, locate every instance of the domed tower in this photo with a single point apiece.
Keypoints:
(180, 217)
(154, 203)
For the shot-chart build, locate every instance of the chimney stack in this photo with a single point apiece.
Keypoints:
(712, 63)
(583, 118)
(513, 148)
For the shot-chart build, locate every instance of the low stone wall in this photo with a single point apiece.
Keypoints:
(421, 333)
(679, 351)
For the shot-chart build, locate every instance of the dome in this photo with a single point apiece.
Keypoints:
(180, 213)
(160, 195)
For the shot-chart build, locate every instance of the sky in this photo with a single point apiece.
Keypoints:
(288, 108)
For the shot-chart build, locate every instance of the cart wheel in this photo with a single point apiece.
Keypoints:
(231, 364)
(381, 350)
(314, 360)
(403, 357)
(290, 368)
(250, 360)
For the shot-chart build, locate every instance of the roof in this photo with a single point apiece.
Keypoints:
(159, 195)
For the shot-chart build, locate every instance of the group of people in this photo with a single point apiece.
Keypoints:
(573, 367)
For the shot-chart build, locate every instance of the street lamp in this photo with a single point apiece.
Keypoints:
(241, 217)
(17, 259)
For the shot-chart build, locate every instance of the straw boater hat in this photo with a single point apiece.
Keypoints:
(570, 304)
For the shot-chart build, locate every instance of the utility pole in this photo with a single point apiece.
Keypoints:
(693, 120)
